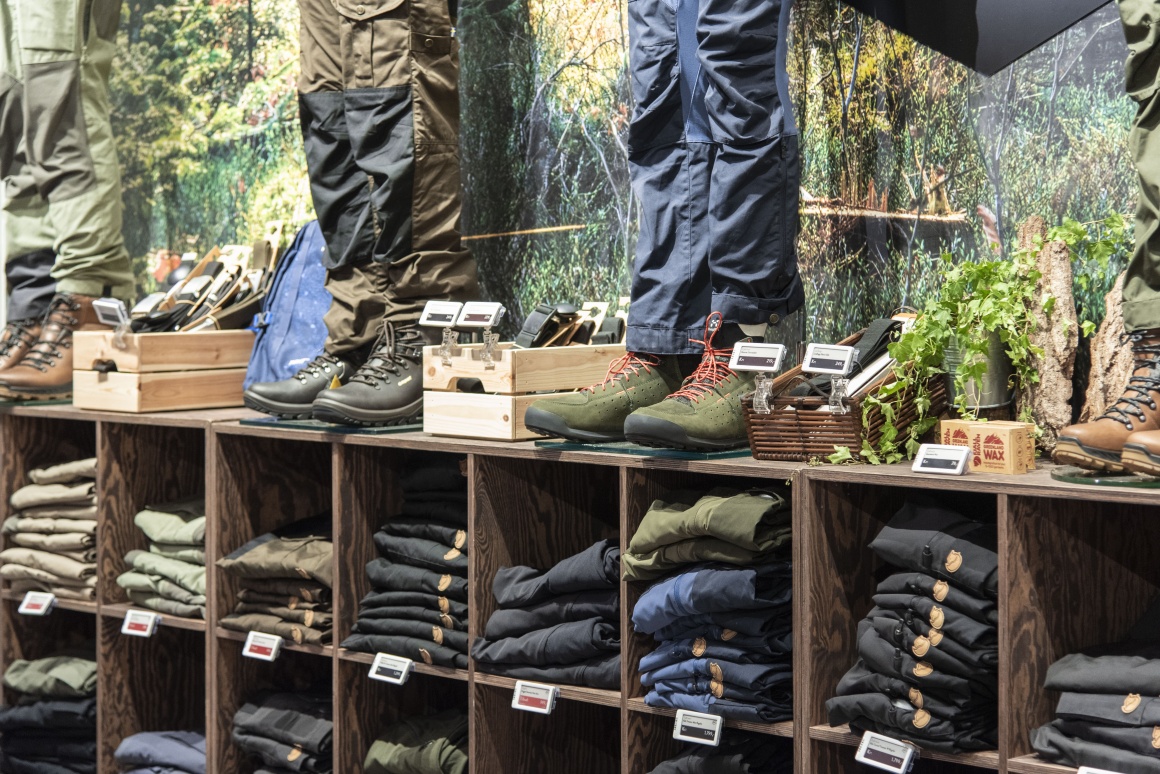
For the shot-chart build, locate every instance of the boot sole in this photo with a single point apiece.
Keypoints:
(550, 425)
(1137, 459)
(337, 413)
(11, 395)
(278, 409)
(1069, 450)
(659, 434)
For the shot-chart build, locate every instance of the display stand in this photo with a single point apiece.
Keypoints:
(1077, 567)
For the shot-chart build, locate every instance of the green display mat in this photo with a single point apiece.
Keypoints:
(327, 427)
(624, 447)
(1073, 475)
(60, 402)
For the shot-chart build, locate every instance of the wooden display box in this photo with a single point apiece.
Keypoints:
(520, 378)
(160, 371)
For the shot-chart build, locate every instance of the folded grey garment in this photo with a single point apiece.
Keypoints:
(48, 526)
(65, 472)
(61, 542)
(61, 512)
(188, 554)
(63, 592)
(165, 605)
(57, 564)
(142, 583)
(190, 577)
(177, 523)
(38, 495)
(23, 572)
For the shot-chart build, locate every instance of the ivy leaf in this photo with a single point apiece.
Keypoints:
(841, 454)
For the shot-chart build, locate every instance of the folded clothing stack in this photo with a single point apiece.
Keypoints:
(929, 649)
(435, 744)
(286, 581)
(162, 752)
(170, 576)
(51, 534)
(287, 732)
(724, 625)
(417, 607)
(738, 754)
(559, 626)
(53, 727)
(1108, 712)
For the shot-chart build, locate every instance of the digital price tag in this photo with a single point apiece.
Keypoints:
(698, 727)
(535, 697)
(391, 669)
(757, 357)
(264, 647)
(441, 314)
(1090, 770)
(942, 460)
(140, 623)
(480, 314)
(111, 312)
(37, 603)
(828, 359)
(885, 753)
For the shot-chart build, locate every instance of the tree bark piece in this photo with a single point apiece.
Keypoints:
(1111, 360)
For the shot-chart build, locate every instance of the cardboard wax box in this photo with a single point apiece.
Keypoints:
(996, 447)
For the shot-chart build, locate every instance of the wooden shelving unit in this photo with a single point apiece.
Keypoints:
(1077, 565)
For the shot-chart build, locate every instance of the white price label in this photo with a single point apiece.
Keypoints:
(140, 623)
(391, 669)
(1090, 770)
(265, 647)
(441, 314)
(757, 357)
(941, 460)
(37, 603)
(698, 727)
(828, 359)
(882, 752)
(480, 314)
(535, 697)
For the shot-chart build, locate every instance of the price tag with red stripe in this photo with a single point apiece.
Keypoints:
(264, 647)
(37, 603)
(535, 697)
(140, 623)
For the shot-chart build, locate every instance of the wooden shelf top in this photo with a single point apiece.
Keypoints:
(121, 609)
(76, 605)
(1033, 764)
(571, 692)
(195, 419)
(327, 651)
(774, 729)
(355, 656)
(843, 735)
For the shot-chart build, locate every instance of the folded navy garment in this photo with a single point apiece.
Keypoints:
(877, 712)
(452, 607)
(456, 640)
(417, 649)
(61, 716)
(175, 750)
(695, 685)
(738, 754)
(1054, 745)
(762, 623)
(517, 621)
(565, 643)
(757, 677)
(675, 651)
(421, 552)
(768, 712)
(593, 569)
(601, 672)
(386, 575)
(433, 617)
(712, 589)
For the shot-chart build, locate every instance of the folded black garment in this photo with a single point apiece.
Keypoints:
(420, 552)
(450, 511)
(1057, 747)
(982, 657)
(884, 658)
(861, 680)
(926, 537)
(982, 610)
(601, 672)
(451, 607)
(1141, 740)
(900, 636)
(961, 628)
(877, 712)
(32, 746)
(1111, 710)
(408, 526)
(456, 640)
(433, 472)
(565, 643)
(595, 568)
(762, 623)
(737, 754)
(57, 716)
(386, 575)
(413, 614)
(285, 756)
(297, 719)
(413, 648)
(517, 621)
(11, 764)
(1137, 671)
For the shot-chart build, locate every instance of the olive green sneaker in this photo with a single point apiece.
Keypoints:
(596, 414)
(704, 415)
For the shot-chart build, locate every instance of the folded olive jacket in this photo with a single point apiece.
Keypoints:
(270, 624)
(436, 744)
(166, 605)
(193, 554)
(190, 577)
(63, 541)
(49, 526)
(277, 600)
(61, 512)
(65, 473)
(23, 572)
(142, 583)
(178, 523)
(23, 585)
(58, 565)
(270, 556)
(58, 677)
(37, 495)
(315, 619)
(308, 591)
(723, 526)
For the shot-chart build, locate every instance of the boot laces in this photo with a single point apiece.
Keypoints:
(44, 354)
(713, 368)
(19, 331)
(323, 364)
(389, 355)
(630, 363)
(1146, 355)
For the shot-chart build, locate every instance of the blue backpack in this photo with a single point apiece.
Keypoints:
(290, 329)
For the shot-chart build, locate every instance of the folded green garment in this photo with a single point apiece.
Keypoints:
(191, 554)
(270, 556)
(305, 590)
(58, 677)
(435, 744)
(49, 526)
(178, 523)
(142, 583)
(315, 619)
(165, 605)
(65, 472)
(38, 495)
(58, 565)
(190, 577)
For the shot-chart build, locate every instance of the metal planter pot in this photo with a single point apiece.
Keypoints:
(993, 390)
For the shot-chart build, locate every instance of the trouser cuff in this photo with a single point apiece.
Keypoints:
(1142, 314)
(124, 292)
(745, 310)
(664, 341)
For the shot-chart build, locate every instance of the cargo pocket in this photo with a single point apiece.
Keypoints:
(435, 88)
(654, 68)
(49, 25)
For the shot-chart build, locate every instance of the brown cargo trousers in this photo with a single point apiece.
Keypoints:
(379, 104)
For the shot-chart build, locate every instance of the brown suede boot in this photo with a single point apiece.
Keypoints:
(46, 371)
(16, 341)
(1099, 445)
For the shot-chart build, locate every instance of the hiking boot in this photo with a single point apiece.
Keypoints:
(293, 398)
(388, 389)
(1099, 444)
(16, 341)
(705, 414)
(1142, 453)
(596, 414)
(46, 370)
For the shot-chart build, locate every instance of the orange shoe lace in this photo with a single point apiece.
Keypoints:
(711, 371)
(630, 362)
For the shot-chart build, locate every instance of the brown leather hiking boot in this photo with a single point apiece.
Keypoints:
(46, 371)
(16, 341)
(1099, 445)
(1142, 453)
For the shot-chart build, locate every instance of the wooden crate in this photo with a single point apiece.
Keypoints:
(151, 352)
(471, 415)
(163, 391)
(518, 371)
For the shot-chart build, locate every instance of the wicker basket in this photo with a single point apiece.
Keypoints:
(803, 433)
